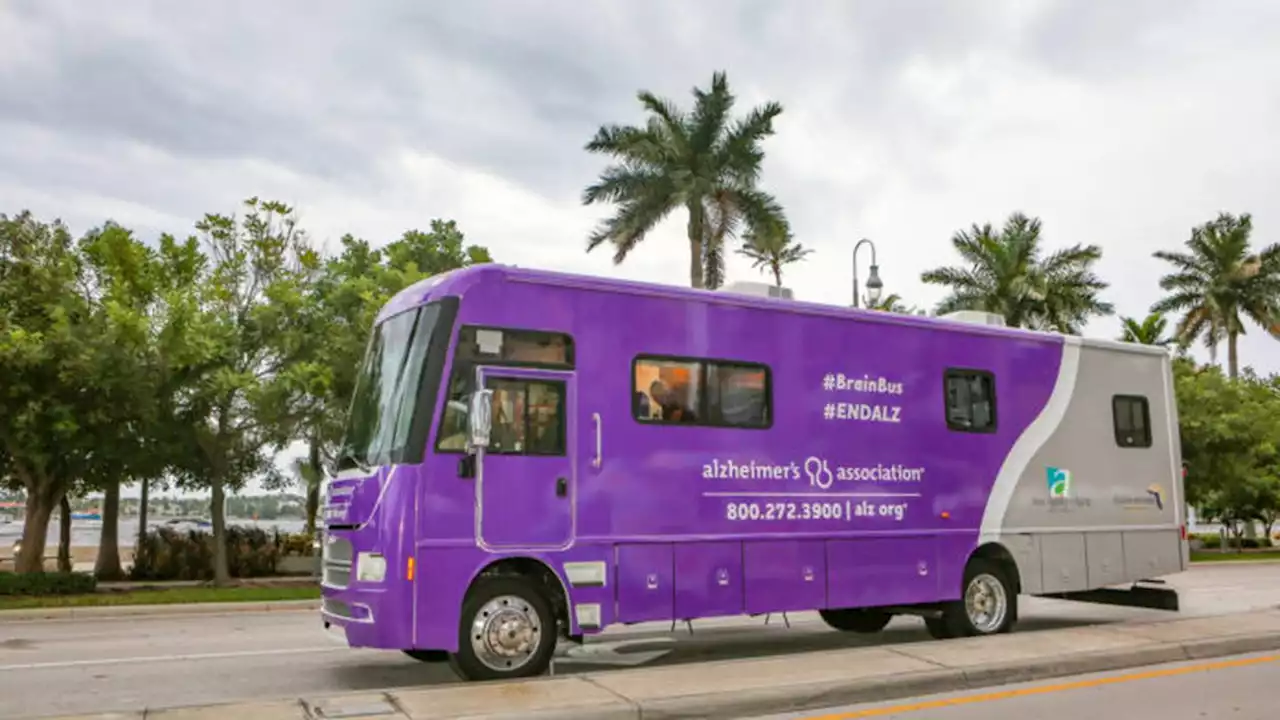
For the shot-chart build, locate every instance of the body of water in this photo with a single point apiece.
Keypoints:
(86, 533)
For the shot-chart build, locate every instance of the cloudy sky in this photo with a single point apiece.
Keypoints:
(1118, 123)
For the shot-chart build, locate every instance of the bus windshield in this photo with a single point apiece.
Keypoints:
(387, 387)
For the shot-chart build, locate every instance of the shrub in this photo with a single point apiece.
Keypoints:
(72, 583)
(1211, 541)
(166, 554)
(300, 544)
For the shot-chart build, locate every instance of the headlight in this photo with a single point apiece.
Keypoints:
(371, 567)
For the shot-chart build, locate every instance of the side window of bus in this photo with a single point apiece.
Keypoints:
(528, 417)
(1131, 417)
(683, 391)
(971, 400)
(494, 346)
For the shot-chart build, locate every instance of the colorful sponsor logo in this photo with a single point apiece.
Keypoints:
(1157, 493)
(1059, 480)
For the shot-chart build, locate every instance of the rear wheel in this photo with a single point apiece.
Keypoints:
(858, 620)
(506, 631)
(988, 606)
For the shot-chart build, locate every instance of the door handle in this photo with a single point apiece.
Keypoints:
(562, 487)
(599, 458)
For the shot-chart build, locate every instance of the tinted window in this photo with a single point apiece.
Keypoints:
(738, 395)
(493, 346)
(1132, 418)
(971, 400)
(700, 392)
(528, 417)
(386, 393)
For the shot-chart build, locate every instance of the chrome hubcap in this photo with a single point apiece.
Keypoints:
(505, 633)
(986, 603)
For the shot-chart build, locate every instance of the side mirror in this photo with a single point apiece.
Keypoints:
(479, 419)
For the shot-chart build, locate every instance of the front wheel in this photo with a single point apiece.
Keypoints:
(856, 620)
(989, 605)
(507, 631)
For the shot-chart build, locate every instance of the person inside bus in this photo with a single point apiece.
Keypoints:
(506, 435)
(671, 408)
(643, 409)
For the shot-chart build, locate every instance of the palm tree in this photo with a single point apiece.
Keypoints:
(699, 160)
(1148, 331)
(1217, 281)
(1007, 275)
(894, 303)
(773, 248)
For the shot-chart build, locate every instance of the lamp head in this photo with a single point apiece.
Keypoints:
(874, 285)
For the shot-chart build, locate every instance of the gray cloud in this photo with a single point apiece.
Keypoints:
(515, 88)
(905, 120)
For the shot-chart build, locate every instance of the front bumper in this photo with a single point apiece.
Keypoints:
(370, 614)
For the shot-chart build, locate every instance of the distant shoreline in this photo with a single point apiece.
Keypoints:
(87, 534)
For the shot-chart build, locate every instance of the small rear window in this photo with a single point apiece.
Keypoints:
(1131, 415)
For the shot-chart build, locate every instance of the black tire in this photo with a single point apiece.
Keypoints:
(857, 620)
(428, 656)
(520, 600)
(993, 578)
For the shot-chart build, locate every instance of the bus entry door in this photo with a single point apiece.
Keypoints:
(525, 478)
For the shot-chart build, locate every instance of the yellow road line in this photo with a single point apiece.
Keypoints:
(1046, 689)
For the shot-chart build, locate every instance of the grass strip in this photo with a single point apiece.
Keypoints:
(1216, 556)
(168, 596)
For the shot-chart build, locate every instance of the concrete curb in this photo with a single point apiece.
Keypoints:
(645, 694)
(106, 612)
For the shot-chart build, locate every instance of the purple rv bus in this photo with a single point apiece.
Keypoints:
(535, 456)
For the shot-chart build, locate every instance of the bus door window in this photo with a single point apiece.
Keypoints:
(528, 417)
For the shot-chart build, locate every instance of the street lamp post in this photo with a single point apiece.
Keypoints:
(874, 286)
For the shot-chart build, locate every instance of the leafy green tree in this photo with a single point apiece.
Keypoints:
(253, 320)
(67, 387)
(1006, 272)
(118, 283)
(773, 249)
(417, 255)
(1218, 282)
(1230, 432)
(148, 297)
(699, 160)
(1147, 331)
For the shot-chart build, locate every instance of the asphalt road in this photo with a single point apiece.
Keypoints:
(1239, 688)
(72, 666)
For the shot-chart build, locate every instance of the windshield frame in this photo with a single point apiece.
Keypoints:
(397, 439)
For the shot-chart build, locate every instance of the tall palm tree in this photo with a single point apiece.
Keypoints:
(1006, 273)
(700, 161)
(1147, 331)
(773, 249)
(1219, 280)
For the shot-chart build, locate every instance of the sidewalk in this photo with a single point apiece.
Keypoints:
(743, 688)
